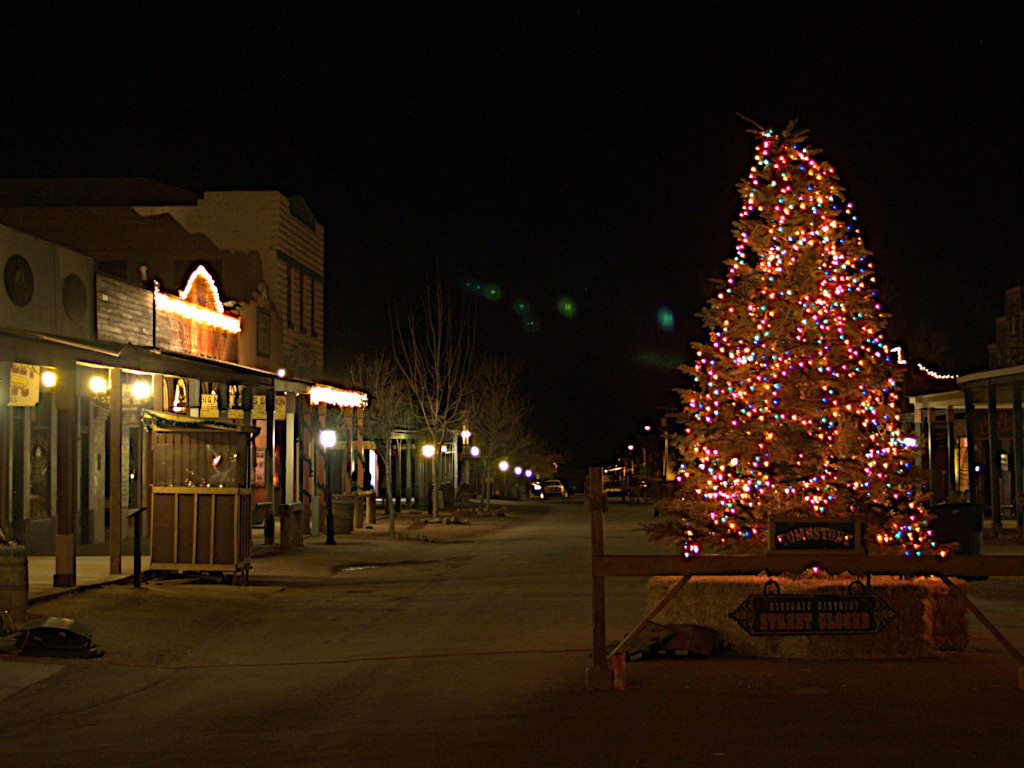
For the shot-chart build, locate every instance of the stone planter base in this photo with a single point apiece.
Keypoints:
(926, 617)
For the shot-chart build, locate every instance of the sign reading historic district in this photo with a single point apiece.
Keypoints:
(822, 614)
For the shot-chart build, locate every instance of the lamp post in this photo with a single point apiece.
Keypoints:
(465, 434)
(473, 473)
(503, 466)
(328, 438)
(428, 451)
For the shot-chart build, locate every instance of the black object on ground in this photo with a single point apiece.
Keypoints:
(57, 637)
(671, 641)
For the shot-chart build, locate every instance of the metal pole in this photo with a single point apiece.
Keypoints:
(330, 501)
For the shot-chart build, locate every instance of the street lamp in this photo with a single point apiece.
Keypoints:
(141, 389)
(328, 439)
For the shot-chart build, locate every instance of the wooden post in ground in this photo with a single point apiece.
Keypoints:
(114, 470)
(67, 432)
(599, 676)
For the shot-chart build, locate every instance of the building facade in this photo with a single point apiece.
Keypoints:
(288, 242)
(972, 437)
(100, 292)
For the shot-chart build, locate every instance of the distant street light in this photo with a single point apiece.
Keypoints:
(428, 451)
(328, 439)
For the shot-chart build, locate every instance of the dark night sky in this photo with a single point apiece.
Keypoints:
(577, 155)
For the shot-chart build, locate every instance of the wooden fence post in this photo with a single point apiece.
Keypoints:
(599, 676)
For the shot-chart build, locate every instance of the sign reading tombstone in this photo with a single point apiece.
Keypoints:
(814, 534)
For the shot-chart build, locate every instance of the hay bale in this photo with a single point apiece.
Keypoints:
(927, 618)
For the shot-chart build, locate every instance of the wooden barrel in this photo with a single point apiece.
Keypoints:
(14, 583)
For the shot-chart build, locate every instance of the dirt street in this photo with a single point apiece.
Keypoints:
(470, 650)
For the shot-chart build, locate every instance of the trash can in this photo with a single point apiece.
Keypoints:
(291, 525)
(448, 496)
(959, 523)
(14, 583)
(341, 511)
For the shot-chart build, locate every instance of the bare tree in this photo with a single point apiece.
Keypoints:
(435, 354)
(390, 403)
(497, 416)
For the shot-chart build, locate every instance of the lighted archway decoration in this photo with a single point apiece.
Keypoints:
(192, 302)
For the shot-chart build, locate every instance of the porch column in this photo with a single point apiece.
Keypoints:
(972, 473)
(362, 448)
(1018, 459)
(67, 444)
(350, 464)
(270, 456)
(289, 456)
(994, 468)
(933, 472)
(114, 531)
(409, 486)
(952, 486)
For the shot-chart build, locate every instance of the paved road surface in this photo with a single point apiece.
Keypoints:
(473, 654)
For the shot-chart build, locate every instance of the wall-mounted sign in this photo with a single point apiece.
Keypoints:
(280, 407)
(209, 406)
(260, 474)
(808, 534)
(24, 386)
(259, 406)
(822, 614)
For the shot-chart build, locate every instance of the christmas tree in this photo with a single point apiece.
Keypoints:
(794, 409)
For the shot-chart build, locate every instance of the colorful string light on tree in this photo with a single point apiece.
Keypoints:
(794, 407)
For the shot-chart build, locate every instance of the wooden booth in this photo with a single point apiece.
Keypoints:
(201, 498)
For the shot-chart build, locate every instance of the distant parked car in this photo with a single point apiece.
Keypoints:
(552, 489)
